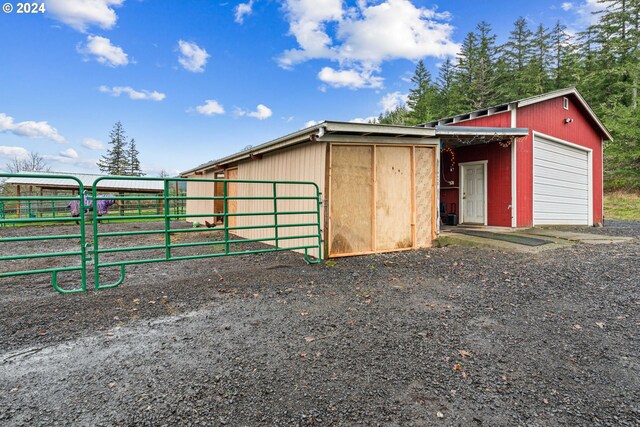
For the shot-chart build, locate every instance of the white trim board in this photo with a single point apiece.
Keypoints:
(461, 189)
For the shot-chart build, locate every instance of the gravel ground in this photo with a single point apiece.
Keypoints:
(450, 336)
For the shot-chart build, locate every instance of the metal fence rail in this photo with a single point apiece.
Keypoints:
(92, 250)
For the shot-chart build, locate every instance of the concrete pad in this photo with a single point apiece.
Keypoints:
(576, 237)
(451, 238)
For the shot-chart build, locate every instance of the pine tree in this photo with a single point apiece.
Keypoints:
(564, 58)
(133, 163)
(484, 82)
(465, 72)
(516, 57)
(115, 161)
(448, 95)
(422, 97)
(539, 73)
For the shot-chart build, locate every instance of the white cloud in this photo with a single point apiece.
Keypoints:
(92, 144)
(133, 94)
(209, 108)
(393, 100)
(104, 52)
(585, 15)
(80, 14)
(242, 10)
(29, 129)
(310, 123)
(351, 79)
(69, 153)
(262, 112)
(566, 6)
(13, 152)
(365, 36)
(192, 57)
(84, 163)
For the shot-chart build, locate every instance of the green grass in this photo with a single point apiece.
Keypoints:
(622, 205)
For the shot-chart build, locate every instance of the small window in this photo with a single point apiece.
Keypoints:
(565, 103)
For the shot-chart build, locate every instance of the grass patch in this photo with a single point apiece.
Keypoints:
(622, 205)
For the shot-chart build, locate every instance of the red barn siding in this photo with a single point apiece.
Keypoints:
(498, 172)
(548, 117)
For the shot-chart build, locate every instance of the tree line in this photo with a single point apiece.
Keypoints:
(602, 62)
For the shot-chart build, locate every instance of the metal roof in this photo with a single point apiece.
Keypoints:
(129, 184)
(507, 106)
(316, 132)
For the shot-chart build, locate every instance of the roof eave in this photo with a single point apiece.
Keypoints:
(328, 127)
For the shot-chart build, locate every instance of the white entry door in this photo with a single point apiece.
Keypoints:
(473, 197)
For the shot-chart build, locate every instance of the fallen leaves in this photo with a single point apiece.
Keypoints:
(577, 327)
(600, 325)
(464, 353)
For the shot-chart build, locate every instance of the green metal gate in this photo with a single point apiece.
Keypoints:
(93, 255)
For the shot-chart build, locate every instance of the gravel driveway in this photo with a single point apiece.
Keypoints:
(450, 336)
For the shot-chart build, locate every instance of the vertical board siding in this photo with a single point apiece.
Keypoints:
(200, 189)
(305, 162)
(548, 118)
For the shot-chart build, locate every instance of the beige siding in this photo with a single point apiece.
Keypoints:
(305, 162)
(200, 189)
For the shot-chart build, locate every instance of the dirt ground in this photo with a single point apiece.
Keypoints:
(448, 336)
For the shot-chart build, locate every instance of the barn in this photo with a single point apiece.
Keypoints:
(552, 176)
(379, 184)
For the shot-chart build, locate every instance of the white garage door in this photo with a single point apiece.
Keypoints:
(560, 183)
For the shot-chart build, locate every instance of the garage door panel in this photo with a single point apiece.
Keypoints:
(560, 184)
(561, 166)
(577, 199)
(559, 149)
(565, 176)
(557, 186)
(561, 208)
(557, 158)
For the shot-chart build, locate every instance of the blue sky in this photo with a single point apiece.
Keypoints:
(196, 80)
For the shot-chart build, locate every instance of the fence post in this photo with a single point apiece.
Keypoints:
(167, 221)
(225, 210)
(275, 215)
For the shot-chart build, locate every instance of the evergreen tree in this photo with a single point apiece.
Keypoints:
(115, 161)
(564, 58)
(398, 116)
(539, 73)
(422, 97)
(516, 57)
(133, 164)
(484, 82)
(465, 72)
(448, 94)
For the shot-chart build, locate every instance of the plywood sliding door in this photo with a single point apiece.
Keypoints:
(351, 200)
(393, 198)
(381, 198)
(425, 196)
